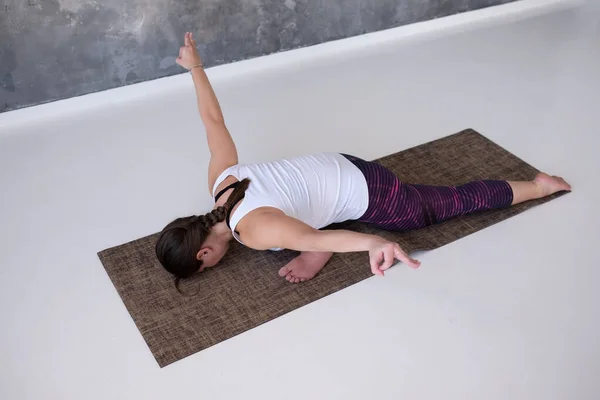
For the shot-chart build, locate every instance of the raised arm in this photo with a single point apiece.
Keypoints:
(223, 153)
(266, 230)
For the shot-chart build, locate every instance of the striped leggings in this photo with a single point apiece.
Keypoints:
(398, 206)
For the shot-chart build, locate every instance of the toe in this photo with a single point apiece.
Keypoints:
(289, 278)
(303, 280)
(284, 271)
(296, 280)
(564, 185)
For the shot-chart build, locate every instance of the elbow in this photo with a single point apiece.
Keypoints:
(215, 120)
(302, 242)
(310, 241)
(212, 118)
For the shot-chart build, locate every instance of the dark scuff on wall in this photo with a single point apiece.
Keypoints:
(55, 49)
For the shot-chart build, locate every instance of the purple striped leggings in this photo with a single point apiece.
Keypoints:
(398, 206)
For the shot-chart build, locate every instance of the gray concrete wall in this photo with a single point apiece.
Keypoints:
(54, 49)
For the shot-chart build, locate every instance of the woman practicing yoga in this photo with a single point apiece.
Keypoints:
(283, 204)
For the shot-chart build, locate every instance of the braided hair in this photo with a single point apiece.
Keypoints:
(179, 242)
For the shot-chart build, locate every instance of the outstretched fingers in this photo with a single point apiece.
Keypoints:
(402, 256)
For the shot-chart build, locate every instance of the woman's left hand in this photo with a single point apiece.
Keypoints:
(383, 255)
(188, 53)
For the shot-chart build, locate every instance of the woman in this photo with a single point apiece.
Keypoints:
(283, 204)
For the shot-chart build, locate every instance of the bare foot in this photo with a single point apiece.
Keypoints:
(551, 184)
(304, 267)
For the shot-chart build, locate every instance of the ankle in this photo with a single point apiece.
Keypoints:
(540, 189)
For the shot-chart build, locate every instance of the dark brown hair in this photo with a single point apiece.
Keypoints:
(180, 241)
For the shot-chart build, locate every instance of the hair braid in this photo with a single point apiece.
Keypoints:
(238, 194)
(214, 217)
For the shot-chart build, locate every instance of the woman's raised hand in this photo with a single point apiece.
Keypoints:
(188, 53)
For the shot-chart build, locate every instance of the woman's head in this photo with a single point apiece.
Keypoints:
(191, 244)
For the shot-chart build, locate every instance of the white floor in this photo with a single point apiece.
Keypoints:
(511, 312)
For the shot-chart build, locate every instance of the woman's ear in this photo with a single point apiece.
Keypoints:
(202, 253)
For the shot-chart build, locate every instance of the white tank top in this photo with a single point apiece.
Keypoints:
(319, 189)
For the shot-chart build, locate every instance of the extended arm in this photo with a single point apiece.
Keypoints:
(274, 230)
(223, 153)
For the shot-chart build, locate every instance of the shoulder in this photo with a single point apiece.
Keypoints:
(258, 228)
(227, 177)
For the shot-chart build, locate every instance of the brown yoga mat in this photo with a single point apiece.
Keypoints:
(246, 291)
